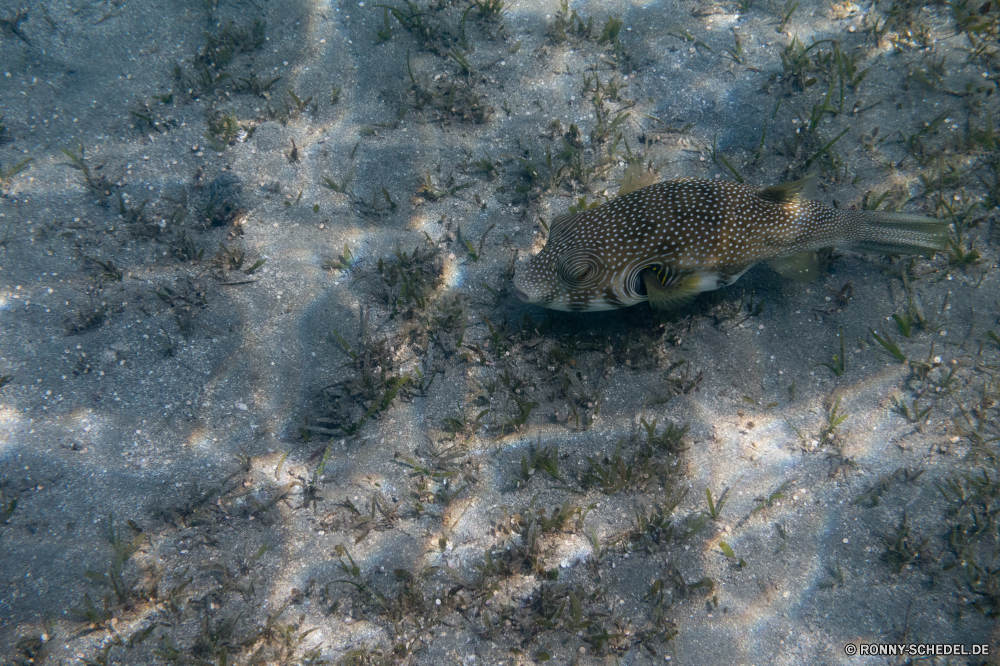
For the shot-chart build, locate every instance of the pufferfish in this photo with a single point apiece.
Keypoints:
(667, 242)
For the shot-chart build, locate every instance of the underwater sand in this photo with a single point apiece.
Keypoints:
(164, 401)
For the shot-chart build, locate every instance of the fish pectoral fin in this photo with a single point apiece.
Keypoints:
(802, 267)
(668, 297)
(797, 190)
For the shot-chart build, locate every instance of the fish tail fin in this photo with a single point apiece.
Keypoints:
(896, 233)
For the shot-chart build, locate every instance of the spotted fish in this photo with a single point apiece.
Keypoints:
(667, 242)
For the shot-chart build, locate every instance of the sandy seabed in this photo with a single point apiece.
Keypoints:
(268, 396)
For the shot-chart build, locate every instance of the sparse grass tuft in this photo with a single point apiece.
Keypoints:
(7, 506)
(123, 593)
(541, 458)
(873, 495)
(786, 13)
(901, 548)
(98, 183)
(776, 495)
(7, 175)
(409, 280)
(888, 344)
(839, 362)
(833, 420)
(344, 262)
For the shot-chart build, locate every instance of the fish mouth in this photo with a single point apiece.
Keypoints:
(521, 296)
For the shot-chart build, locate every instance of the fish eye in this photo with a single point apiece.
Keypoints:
(575, 272)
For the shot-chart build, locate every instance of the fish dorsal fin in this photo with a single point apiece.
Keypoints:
(635, 178)
(797, 190)
(667, 297)
(802, 267)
